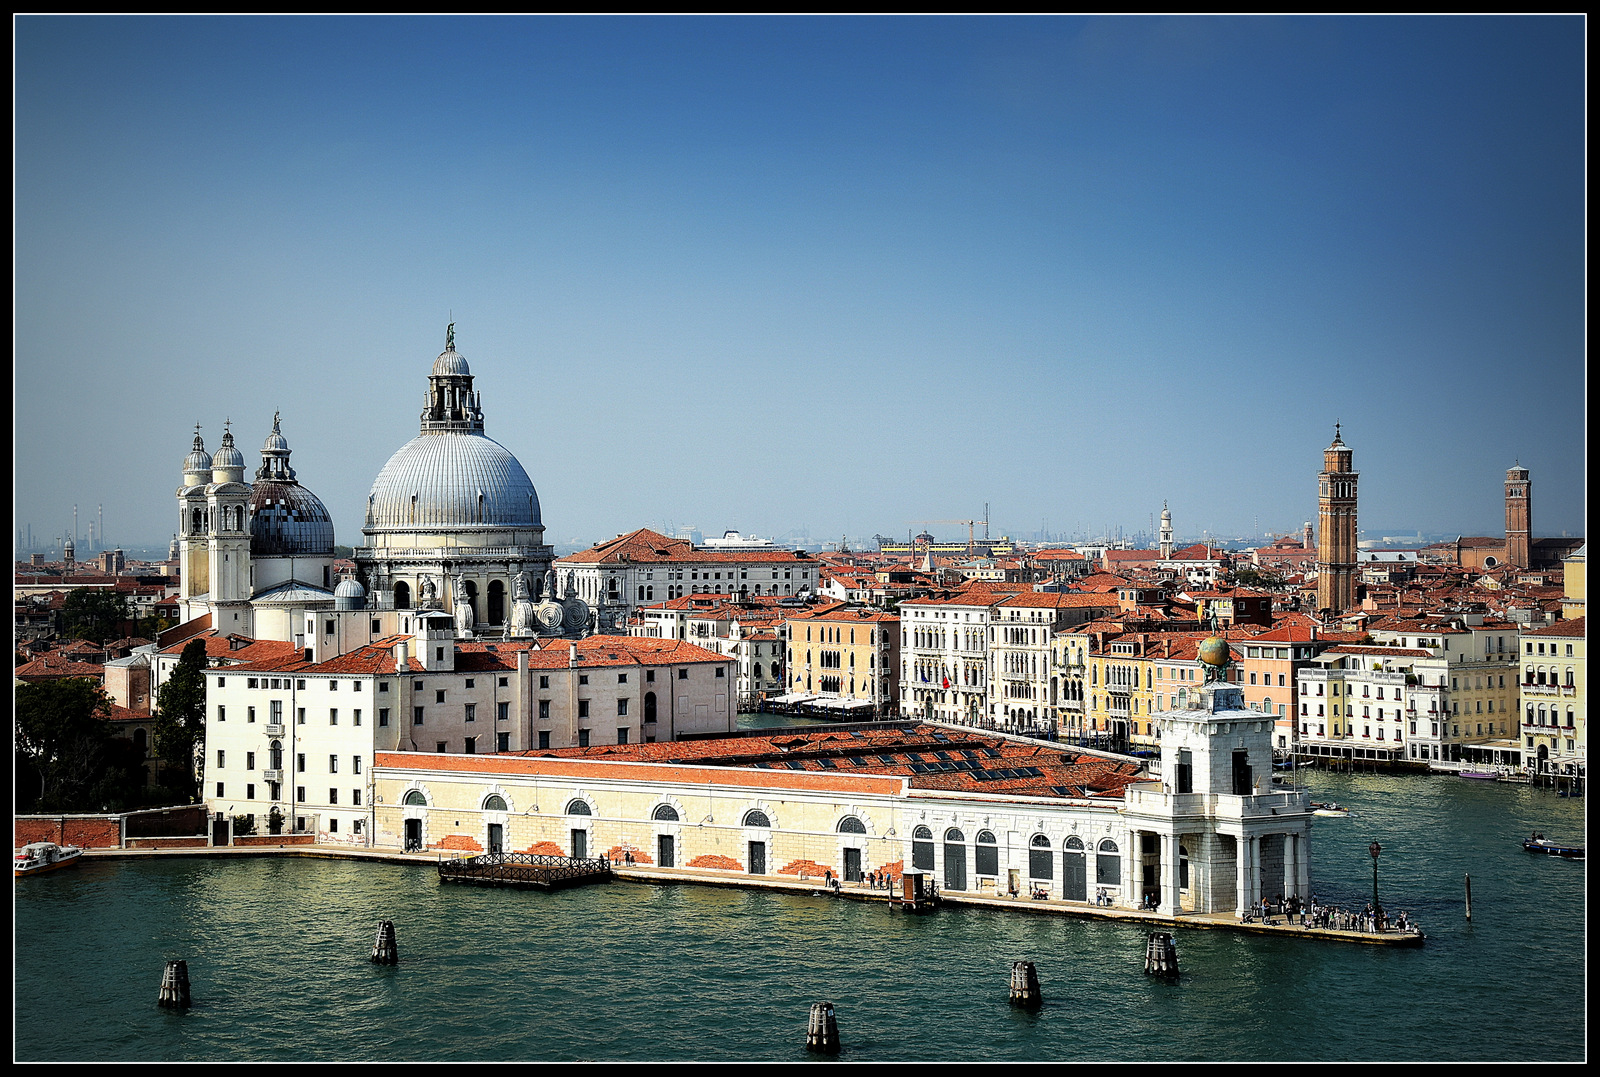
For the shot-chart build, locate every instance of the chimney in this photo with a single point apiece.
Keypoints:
(402, 663)
(1144, 640)
(522, 664)
(572, 655)
(1168, 647)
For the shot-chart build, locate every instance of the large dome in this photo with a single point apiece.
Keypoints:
(452, 480)
(287, 520)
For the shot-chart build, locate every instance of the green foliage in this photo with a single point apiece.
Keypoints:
(244, 824)
(66, 759)
(180, 724)
(94, 613)
(1250, 576)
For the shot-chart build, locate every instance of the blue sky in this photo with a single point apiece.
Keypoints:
(833, 274)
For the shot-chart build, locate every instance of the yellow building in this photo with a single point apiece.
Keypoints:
(1575, 583)
(1555, 706)
(844, 654)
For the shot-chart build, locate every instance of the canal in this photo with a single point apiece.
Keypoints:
(277, 953)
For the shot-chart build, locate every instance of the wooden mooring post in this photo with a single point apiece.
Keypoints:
(822, 1033)
(1469, 897)
(174, 986)
(385, 951)
(1161, 955)
(1025, 986)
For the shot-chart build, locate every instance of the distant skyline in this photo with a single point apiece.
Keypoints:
(845, 274)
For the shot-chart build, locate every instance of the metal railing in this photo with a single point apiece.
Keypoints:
(523, 868)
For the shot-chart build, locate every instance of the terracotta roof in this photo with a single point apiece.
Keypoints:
(1574, 627)
(651, 547)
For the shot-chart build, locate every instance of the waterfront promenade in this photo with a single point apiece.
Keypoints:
(813, 887)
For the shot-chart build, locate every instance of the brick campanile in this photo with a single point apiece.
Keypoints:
(1336, 518)
(1519, 515)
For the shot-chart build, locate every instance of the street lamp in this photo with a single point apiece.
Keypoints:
(1377, 909)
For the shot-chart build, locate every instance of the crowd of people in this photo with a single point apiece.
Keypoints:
(1311, 913)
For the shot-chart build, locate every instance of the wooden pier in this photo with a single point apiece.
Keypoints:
(525, 871)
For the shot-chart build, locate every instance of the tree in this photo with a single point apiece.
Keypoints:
(180, 726)
(63, 744)
(94, 613)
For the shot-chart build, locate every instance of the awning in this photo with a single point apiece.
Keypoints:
(793, 697)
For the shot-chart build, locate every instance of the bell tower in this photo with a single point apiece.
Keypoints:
(1336, 517)
(1519, 516)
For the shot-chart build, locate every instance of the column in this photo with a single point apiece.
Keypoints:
(1241, 861)
(1255, 870)
(1169, 873)
(1132, 876)
(1303, 863)
(1291, 857)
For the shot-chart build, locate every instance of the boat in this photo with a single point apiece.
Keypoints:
(1538, 843)
(1488, 775)
(1329, 810)
(43, 856)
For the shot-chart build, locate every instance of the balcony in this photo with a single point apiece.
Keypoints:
(1551, 690)
(272, 775)
(274, 729)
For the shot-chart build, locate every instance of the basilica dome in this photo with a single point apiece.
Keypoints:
(452, 479)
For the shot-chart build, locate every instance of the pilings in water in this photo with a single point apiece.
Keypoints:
(384, 949)
(174, 986)
(1161, 955)
(1025, 986)
(822, 1033)
(1469, 897)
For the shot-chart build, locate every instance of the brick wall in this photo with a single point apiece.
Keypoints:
(168, 843)
(273, 840)
(84, 831)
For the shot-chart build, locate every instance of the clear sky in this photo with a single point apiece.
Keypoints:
(841, 274)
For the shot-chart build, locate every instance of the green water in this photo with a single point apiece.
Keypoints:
(277, 953)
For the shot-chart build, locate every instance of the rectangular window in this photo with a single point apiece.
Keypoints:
(383, 686)
(544, 738)
(333, 798)
(471, 683)
(650, 676)
(249, 714)
(416, 686)
(220, 757)
(503, 711)
(219, 789)
(622, 707)
(622, 678)
(622, 734)
(300, 684)
(722, 671)
(583, 741)
(416, 716)
(544, 682)
(583, 708)
(472, 712)
(333, 764)
(300, 793)
(383, 716)
(222, 713)
(249, 792)
(355, 797)
(683, 674)
(472, 746)
(438, 696)
(223, 683)
(355, 764)
(252, 683)
(583, 678)
(249, 760)
(544, 710)
(502, 742)
(300, 715)
(503, 682)
(333, 716)
(300, 762)
(275, 712)
(355, 719)
(439, 747)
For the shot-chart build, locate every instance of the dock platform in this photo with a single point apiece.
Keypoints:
(524, 871)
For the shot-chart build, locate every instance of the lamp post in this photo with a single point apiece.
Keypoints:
(1377, 909)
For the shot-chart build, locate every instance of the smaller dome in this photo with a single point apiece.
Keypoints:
(228, 454)
(276, 442)
(450, 363)
(198, 459)
(349, 587)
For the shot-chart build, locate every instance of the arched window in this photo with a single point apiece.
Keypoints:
(987, 854)
(954, 835)
(922, 848)
(756, 818)
(1108, 865)
(922, 833)
(494, 802)
(851, 825)
(665, 813)
(275, 753)
(415, 798)
(578, 807)
(497, 602)
(757, 671)
(402, 596)
(1039, 866)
